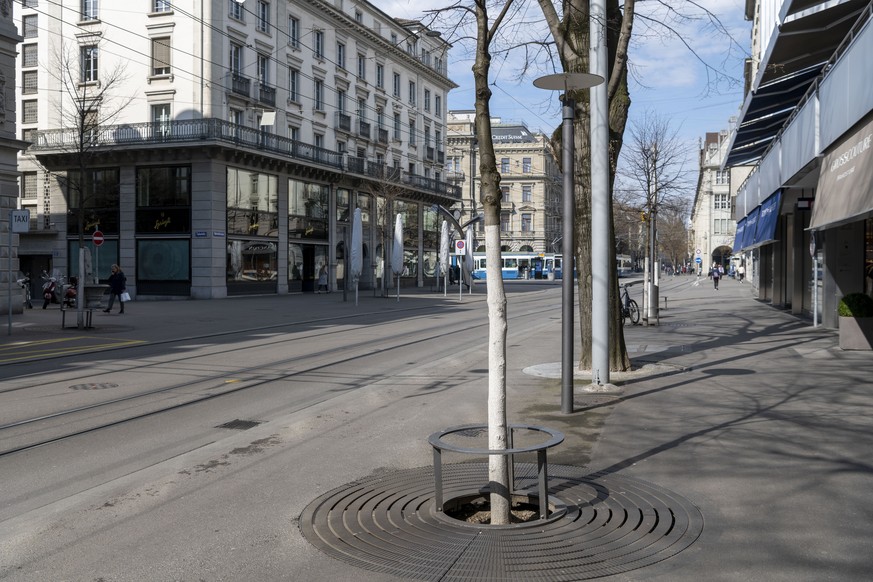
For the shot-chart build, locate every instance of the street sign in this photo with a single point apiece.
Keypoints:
(698, 251)
(698, 260)
(97, 238)
(21, 220)
(460, 246)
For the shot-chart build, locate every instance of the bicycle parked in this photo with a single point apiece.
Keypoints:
(629, 308)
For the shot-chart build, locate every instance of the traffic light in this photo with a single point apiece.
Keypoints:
(643, 217)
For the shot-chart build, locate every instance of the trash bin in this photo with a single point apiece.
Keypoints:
(551, 276)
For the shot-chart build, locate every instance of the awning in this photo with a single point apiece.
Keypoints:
(768, 216)
(751, 225)
(805, 41)
(738, 238)
(845, 184)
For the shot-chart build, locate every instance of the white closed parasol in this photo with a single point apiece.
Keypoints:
(397, 252)
(444, 255)
(357, 250)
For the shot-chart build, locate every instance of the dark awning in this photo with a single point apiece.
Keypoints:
(768, 216)
(738, 238)
(845, 184)
(810, 35)
(751, 225)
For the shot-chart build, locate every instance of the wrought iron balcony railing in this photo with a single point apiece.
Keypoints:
(240, 84)
(197, 131)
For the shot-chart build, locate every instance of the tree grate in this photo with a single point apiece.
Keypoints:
(613, 524)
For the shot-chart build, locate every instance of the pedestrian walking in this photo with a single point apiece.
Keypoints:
(117, 286)
(715, 275)
(741, 272)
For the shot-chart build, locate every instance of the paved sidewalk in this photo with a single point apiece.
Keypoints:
(748, 412)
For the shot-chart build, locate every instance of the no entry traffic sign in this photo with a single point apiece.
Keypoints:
(97, 238)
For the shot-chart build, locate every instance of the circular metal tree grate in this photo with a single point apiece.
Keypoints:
(612, 524)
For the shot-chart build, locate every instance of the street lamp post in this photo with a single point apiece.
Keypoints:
(568, 82)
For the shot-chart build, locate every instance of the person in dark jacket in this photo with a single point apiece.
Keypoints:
(117, 286)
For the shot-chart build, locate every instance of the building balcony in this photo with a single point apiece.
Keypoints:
(57, 146)
(267, 94)
(429, 153)
(364, 129)
(455, 176)
(343, 122)
(241, 85)
(382, 135)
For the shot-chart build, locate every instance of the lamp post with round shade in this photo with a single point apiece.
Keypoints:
(569, 82)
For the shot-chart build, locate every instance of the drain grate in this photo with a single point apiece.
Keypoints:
(238, 424)
(612, 524)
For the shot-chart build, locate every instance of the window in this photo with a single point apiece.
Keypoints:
(236, 10)
(341, 101)
(236, 116)
(29, 111)
(380, 118)
(438, 106)
(235, 59)
(526, 190)
(319, 140)
(29, 55)
(362, 67)
(89, 9)
(89, 64)
(427, 99)
(526, 222)
(722, 177)
(504, 193)
(29, 82)
(722, 201)
(362, 109)
(161, 119)
(393, 38)
(263, 69)
(30, 3)
(29, 186)
(319, 95)
(161, 6)
(412, 140)
(294, 133)
(341, 147)
(380, 75)
(319, 44)
(504, 223)
(427, 137)
(30, 24)
(341, 55)
(504, 165)
(412, 92)
(163, 186)
(293, 84)
(161, 56)
(263, 24)
(359, 17)
(397, 126)
(525, 165)
(293, 31)
(397, 85)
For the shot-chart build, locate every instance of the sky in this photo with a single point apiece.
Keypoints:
(669, 76)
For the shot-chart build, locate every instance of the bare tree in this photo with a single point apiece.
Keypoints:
(90, 101)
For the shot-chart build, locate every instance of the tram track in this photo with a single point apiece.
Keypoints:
(41, 430)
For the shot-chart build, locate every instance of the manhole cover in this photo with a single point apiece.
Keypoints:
(93, 386)
(612, 524)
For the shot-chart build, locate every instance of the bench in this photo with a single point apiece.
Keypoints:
(89, 314)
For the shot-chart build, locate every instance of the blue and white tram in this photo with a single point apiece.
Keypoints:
(518, 265)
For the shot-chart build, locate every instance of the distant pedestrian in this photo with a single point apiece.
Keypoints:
(741, 272)
(715, 275)
(322, 279)
(117, 286)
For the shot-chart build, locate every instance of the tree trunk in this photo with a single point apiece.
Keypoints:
(490, 195)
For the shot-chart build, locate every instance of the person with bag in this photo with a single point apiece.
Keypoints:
(117, 288)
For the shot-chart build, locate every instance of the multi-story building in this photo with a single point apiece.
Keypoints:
(9, 147)
(805, 213)
(529, 178)
(222, 145)
(712, 224)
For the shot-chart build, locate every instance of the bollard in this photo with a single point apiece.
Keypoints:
(665, 303)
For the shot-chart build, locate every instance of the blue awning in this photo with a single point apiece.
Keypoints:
(751, 224)
(768, 216)
(738, 238)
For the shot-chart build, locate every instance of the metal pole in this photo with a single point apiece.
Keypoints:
(569, 252)
(9, 276)
(601, 270)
